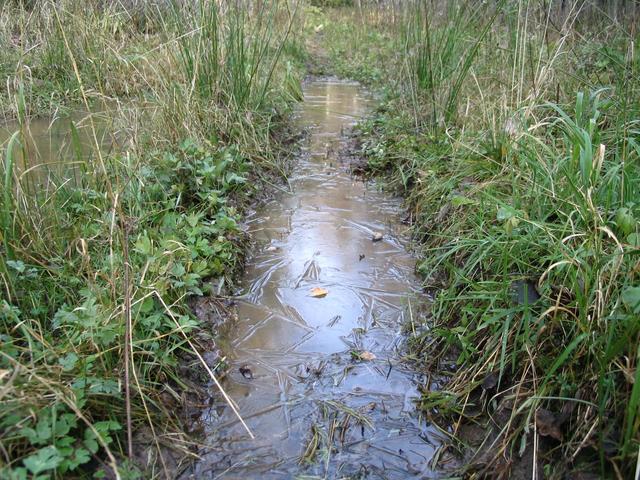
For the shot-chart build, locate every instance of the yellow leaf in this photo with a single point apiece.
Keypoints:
(368, 356)
(319, 292)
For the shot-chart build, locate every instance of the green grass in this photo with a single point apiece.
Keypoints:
(517, 150)
(102, 254)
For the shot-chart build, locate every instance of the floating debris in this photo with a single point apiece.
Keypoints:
(363, 355)
(246, 372)
(319, 292)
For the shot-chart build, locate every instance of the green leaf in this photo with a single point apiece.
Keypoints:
(147, 305)
(64, 424)
(506, 213)
(625, 221)
(459, 200)
(76, 457)
(634, 240)
(98, 385)
(143, 245)
(68, 361)
(42, 434)
(44, 459)
(631, 298)
(233, 178)
(17, 265)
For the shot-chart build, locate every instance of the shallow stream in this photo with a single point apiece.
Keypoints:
(320, 380)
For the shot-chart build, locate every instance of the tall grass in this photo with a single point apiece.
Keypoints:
(100, 263)
(513, 134)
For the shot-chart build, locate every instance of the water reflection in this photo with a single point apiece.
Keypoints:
(301, 349)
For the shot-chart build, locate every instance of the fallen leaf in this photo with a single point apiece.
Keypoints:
(490, 381)
(246, 372)
(319, 292)
(376, 237)
(548, 424)
(368, 356)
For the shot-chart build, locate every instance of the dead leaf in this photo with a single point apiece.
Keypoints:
(377, 237)
(548, 424)
(490, 381)
(246, 372)
(369, 407)
(319, 292)
(367, 356)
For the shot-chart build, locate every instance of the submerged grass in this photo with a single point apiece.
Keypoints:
(513, 132)
(102, 254)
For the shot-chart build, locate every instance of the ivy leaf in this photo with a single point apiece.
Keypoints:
(44, 459)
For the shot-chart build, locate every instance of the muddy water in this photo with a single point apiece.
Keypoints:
(56, 146)
(312, 385)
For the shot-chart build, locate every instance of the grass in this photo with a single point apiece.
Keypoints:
(103, 253)
(513, 133)
(511, 128)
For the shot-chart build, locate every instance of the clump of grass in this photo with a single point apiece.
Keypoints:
(102, 254)
(522, 184)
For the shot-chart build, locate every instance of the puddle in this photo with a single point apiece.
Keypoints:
(306, 391)
(57, 147)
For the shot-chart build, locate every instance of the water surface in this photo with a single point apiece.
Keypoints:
(311, 387)
(59, 146)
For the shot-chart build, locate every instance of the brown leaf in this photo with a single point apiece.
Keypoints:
(246, 372)
(548, 424)
(319, 292)
(368, 356)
